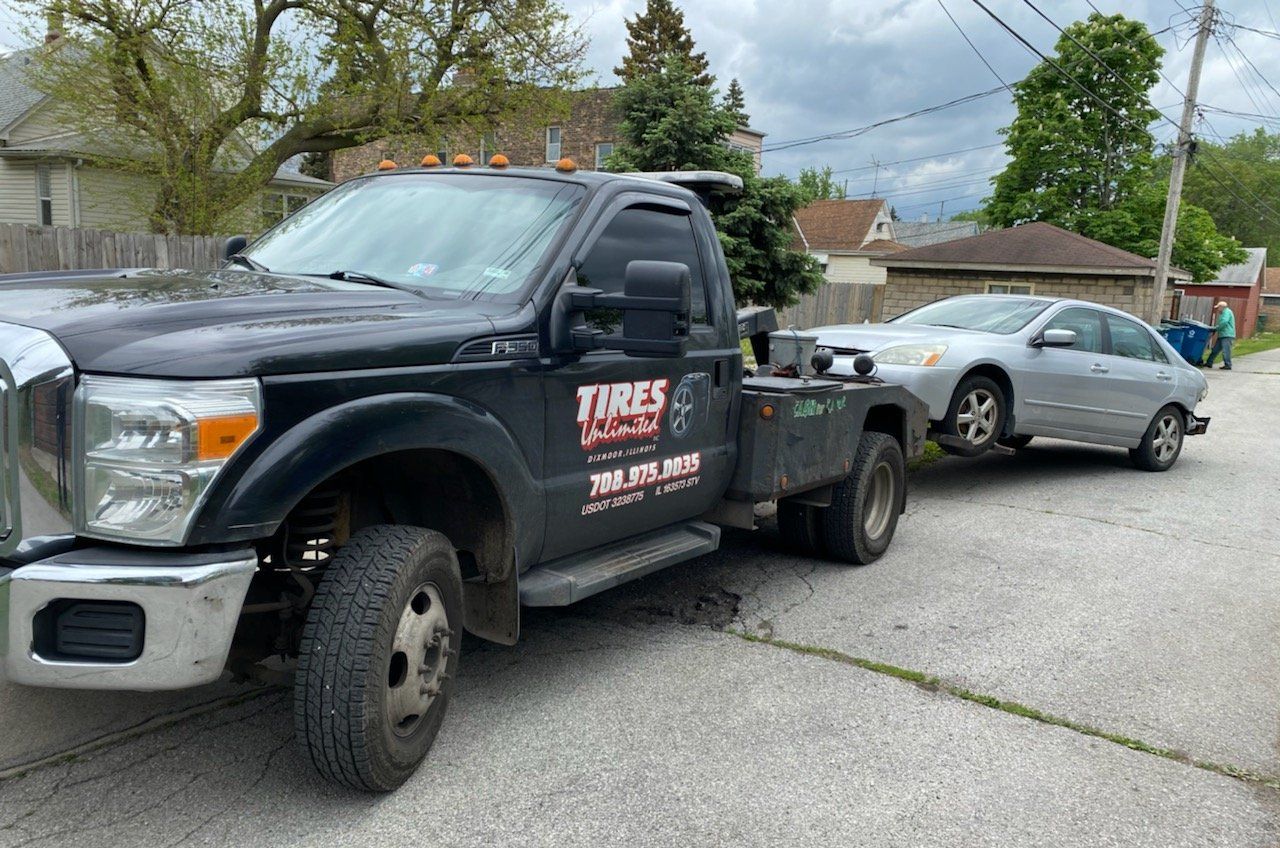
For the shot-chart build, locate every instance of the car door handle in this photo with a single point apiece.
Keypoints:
(1099, 368)
(1163, 375)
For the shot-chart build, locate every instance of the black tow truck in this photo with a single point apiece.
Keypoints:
(428, 398)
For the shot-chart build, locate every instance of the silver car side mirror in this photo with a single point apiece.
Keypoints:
(1056, 338)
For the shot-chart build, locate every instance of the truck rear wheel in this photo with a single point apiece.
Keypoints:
(379, 656)
(800, 526)
(859, 524)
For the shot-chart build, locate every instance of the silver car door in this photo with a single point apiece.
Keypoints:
(1062, 387)
(1141, 378)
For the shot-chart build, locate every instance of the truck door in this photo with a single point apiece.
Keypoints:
(636, 443)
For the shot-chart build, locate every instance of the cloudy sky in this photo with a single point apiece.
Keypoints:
(811, 67)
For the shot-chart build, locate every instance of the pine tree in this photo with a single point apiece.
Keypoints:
(673, 123)
(735, 101)
(656, 34)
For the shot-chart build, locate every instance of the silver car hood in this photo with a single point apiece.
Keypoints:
(873, 337)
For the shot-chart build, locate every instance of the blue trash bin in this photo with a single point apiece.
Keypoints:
(1174, 334)
(1194, 340)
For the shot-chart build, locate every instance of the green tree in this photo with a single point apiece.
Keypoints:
(655, 35)
(819, 184)
(671, 122)
(1250, 164)
(208, 99)
(1092, 168)
(735, 100)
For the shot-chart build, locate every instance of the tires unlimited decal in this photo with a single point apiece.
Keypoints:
(612, 414)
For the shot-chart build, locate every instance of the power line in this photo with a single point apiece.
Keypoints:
(1051, 63)
(920, 158)
(1250, 63)
(974, 47)
(853, 133)
(1095, 57)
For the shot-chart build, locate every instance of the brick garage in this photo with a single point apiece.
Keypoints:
(590, 120)
(1037, 258)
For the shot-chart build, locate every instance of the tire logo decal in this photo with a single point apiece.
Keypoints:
(619, 412)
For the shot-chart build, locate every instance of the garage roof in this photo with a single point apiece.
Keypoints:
(1038, 247)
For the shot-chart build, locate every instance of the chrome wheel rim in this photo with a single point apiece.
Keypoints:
(976, 417)
(420, 652)
(1167, 438)
(880, 501)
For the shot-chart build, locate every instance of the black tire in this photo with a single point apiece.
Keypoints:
(1016, 442)
(859, 524)
(343, 691)
(1151, 455)
(980, 386)
(800, 526)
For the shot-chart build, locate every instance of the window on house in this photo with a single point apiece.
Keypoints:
(44, 193)
(639, 233)
(276, 206)
(1010, 288)
(553, 144)
(603, 150)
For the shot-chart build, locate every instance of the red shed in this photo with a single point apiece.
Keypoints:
(1240, 286)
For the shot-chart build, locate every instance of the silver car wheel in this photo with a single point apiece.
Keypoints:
(1167, 438)
(976, 417)
(419, 655)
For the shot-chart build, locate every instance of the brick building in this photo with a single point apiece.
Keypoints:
(586, 134)
(1269, 311)
(1038, 259)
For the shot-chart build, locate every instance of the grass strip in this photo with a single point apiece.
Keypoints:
(937, 684)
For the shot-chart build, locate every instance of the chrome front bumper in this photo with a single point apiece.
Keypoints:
(190, 604)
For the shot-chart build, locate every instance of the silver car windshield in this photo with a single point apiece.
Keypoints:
(983, 313)
(441, 235)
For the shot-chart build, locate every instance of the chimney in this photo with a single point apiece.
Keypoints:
(53, 25)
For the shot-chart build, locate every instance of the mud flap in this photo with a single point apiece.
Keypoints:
(492, 610)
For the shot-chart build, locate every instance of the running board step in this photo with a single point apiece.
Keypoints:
(570, 579)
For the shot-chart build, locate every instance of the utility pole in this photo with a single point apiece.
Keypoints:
(1180, 154)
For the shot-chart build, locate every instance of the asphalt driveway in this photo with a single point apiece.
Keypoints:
(1058, 650)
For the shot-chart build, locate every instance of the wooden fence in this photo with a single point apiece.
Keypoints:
(25, 247)
(835, 303)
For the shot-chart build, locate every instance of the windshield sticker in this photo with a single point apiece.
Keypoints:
(496, 273)
(620, 412)
(422, 269)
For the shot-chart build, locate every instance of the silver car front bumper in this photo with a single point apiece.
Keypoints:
(189, 607)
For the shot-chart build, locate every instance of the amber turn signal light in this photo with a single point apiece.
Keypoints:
(766, 411)
(218, 438)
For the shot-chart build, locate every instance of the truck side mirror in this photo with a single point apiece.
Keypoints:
(655, 306)
(234, 245)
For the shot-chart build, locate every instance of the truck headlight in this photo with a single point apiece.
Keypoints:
(911, 354)
(148, 451)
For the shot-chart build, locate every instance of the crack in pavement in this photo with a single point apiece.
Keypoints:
(1108, 522)
(934, 684)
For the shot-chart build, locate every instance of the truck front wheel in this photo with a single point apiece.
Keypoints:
(379, 656)
(859, 524)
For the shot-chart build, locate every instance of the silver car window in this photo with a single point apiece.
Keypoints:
(1085, 323)
(1130, 339)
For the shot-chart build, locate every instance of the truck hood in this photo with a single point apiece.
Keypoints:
(237, 323)
(873, 337)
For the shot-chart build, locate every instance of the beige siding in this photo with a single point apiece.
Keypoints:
(41, 123)
(111, 200)
(853, 269)
(17, 191)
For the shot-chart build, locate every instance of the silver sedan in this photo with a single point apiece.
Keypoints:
(1004, 368)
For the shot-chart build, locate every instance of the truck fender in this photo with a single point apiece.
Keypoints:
(255, 503)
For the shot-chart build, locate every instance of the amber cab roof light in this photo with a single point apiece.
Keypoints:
(431, 161)
(386, 165)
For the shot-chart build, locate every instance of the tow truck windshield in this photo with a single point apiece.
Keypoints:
(444, 235)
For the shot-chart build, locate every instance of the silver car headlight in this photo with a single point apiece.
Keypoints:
(147, 451)
(911, 354)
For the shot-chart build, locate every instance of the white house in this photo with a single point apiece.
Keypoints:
(844, 236)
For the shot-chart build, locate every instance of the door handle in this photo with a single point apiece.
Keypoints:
(1099, 368)
(721, 378)
(1161, 375)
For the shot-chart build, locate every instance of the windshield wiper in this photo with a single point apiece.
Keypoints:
(251, 264)
(370, 279)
